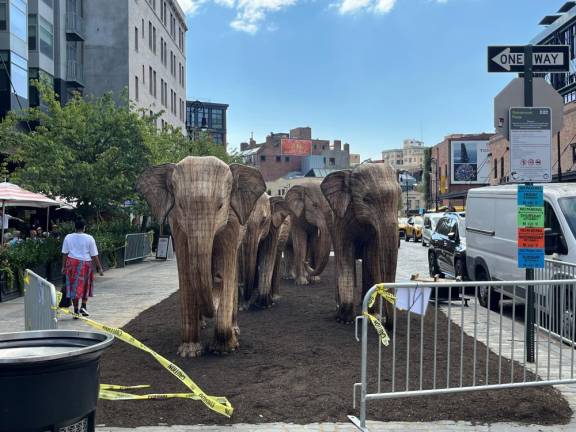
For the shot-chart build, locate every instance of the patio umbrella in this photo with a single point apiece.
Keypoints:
(12, 195)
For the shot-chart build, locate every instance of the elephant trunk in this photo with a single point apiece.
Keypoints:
(250, 264)
(322, 251)
(200, 253)
(387, 235)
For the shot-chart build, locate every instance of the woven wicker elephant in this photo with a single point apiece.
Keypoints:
(365, 206)
(207, 204)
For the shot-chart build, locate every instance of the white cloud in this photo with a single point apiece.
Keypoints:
(190, 6)
(375, 6)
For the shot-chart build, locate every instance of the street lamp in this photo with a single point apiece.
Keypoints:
(435, 161)
(196, 106)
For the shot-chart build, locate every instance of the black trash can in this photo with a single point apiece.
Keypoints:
(49, 380)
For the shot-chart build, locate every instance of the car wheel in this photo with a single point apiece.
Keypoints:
(433, 265)
(487, 297)
(423, 242)
(565, 314)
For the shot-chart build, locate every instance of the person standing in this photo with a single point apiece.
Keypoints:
(79, 251)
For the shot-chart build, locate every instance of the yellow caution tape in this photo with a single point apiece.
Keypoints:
(383, 292)
(221, 405)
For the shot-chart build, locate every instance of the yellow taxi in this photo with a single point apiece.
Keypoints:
(414, 227)
(402, 224)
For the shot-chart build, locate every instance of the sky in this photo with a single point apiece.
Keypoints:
(368, 72)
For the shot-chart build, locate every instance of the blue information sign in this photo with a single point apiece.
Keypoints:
(530, 196)
(530, 258)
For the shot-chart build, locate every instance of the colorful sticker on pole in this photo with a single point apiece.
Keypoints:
(530, 218)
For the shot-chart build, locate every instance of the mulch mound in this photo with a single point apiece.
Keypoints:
(296, 364)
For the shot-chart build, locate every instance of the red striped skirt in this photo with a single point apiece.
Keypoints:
(79, 279)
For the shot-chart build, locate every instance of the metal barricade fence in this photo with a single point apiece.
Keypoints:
(460, 346)
(138, 246)
(39, 299)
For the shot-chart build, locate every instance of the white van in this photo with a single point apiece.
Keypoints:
(491, 225)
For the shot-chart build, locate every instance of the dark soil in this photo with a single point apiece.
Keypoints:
(297, 364)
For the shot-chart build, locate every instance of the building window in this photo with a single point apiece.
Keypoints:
(3, 15)
(155, 84)
(150, 84)
(49, 3)
(332, 162)
(217, 138)
(149, 35)
(46, 38)
(278, 158)
(154, 40)
(136, 88)
(495, 168)
(32, 32)
(143, 75)
(502, 167)
(165, 14)
(18, 22)
(19, 75)
(217, 119)
(262, 158)
(142, 28)
(136, 38)
(286, 158)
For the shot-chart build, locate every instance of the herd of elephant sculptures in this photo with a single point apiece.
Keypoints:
(230, 237)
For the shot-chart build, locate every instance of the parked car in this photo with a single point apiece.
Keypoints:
(447, 252)
(492, 242)
(402, 224)
(430, 221)
(414, 228)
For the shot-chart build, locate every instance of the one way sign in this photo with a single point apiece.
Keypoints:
(545, 58)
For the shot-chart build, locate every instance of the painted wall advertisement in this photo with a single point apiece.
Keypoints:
(296, 147)
(470, 162)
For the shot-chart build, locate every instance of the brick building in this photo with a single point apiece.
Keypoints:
(459, 163)
(295, 152)
(563, 168)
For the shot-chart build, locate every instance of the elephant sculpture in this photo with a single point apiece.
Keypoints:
(365, 205)
(270, 255)
(310, 236)
(283, 260)
(207, 204)
(260, 250)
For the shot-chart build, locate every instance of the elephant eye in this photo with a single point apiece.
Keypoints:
(220, 206)
(368, 199)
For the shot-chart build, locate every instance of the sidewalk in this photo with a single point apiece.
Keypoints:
(119, 296)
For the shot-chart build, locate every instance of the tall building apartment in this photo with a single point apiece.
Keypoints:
(207, 117)
(409, 158)
(560, 29)
(94, 47)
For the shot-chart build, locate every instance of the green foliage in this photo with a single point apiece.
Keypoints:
(92, 150)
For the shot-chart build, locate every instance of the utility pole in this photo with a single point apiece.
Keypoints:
(406, 187)
(559, 158)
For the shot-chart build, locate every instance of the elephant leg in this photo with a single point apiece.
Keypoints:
(345, 279)
(313, 256)
(299, 243)
(373, 272)
(225, 262)
(189, 307)
(288, 261)
(266, 261)
(275, 291)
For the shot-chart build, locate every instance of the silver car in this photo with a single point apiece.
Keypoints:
(430, 221)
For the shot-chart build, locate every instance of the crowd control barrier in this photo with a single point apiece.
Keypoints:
(435, 347)
(39, 301)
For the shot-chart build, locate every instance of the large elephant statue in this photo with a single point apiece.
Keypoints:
(283, 261)
(207, 204)
(269, 255)
(365, 205)
(310, 236)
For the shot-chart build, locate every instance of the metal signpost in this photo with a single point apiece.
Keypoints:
(529, 136)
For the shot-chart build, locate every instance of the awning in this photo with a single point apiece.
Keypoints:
(12, 195)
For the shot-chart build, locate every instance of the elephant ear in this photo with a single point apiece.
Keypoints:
(280, 210)
(248, 185)
(295, 199)
(154, 185)
(336, 189)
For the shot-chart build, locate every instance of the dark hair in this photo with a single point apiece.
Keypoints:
(79, 224)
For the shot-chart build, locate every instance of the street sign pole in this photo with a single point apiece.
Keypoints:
(529, 102)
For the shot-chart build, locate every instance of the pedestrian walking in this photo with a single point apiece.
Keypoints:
(79, 253)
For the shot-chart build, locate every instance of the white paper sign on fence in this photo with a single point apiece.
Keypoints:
(413, 299)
